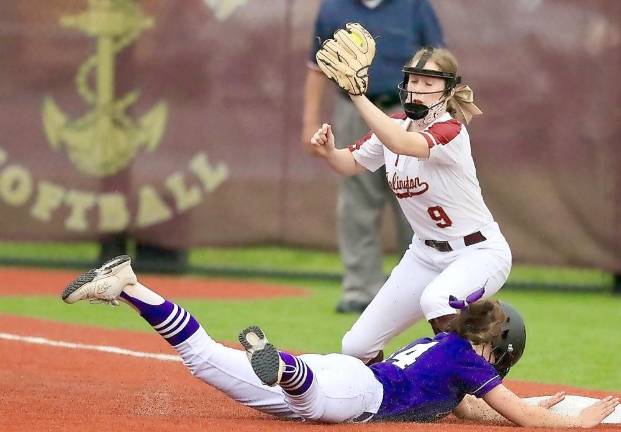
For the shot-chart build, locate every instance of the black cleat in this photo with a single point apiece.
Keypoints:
(264, 358)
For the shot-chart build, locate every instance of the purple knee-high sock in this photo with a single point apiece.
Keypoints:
(168, 319)
(297, 377)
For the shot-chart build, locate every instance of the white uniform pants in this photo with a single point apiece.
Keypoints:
(420, 285)
(343, 388)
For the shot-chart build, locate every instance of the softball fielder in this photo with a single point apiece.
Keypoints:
(424, 381)
(457, 246)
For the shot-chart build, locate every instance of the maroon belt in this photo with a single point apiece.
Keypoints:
(444, 246)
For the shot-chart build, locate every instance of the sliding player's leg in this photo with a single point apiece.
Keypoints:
(222, 367)
(332, 388)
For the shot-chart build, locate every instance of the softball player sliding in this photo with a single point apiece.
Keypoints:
(424, 381)
(457, 246)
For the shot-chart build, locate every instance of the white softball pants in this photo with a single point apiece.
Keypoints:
(343, 388)
(420, 285)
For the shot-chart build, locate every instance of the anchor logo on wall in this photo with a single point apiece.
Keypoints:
(103, 141)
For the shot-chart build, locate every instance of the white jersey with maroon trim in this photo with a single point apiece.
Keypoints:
(440, 196)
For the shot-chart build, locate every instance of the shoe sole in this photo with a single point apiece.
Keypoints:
(265, 361)
(90, 275)
(244, 341)
(265, 364)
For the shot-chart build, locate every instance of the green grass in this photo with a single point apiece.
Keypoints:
(573, 338)
(53, 252)
(287, 259)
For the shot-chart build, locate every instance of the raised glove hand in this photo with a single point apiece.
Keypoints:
(346, 58)
(358, 40)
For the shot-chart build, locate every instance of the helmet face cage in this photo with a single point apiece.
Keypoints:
(451, 79)
(509, 346)
(504, 359)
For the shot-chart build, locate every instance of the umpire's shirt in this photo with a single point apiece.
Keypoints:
(400, 28)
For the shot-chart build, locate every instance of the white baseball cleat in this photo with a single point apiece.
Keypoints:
(103, 284)
(264, 358)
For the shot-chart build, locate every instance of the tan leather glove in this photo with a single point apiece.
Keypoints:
(346, 58)
(357, 40)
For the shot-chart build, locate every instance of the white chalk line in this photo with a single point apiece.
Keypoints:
(37, 340)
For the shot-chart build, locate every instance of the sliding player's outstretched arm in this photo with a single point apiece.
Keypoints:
(476, 409)
(510, 406)
(473, 408)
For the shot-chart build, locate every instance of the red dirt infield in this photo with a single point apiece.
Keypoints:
(52, 388)
(27, 281)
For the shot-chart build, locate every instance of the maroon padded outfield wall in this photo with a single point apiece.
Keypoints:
(178, 122)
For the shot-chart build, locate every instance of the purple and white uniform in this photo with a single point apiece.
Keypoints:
(421, 382)
(427, 379)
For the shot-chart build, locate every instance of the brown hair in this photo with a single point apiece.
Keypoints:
(445, 60)
(461, 103)
(481, 322)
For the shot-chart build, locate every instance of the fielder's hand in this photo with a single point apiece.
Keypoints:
(323, 141)
(346, 58)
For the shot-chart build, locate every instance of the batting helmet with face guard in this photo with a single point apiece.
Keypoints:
(419, 69)
(415, 110)
(509, 346)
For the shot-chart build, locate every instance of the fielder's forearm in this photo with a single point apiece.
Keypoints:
(342, 161)
(389, 132)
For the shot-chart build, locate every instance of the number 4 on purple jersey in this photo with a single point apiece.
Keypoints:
(408, 355)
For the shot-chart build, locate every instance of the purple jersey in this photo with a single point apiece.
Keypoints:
(427, 379)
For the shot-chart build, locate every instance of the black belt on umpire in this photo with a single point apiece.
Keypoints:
(444, 246)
